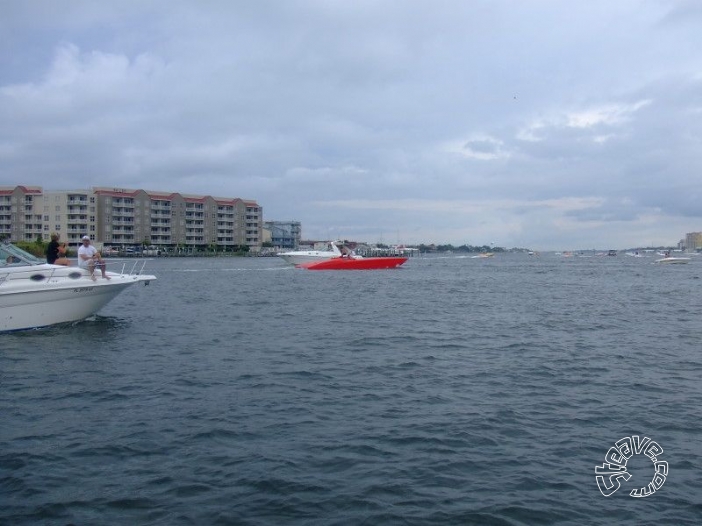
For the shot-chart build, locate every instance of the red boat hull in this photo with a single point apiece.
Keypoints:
(355, 264)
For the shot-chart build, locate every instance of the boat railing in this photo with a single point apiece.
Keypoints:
(129, 268)
(136, 268)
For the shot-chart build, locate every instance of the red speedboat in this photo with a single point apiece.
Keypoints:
(355, 263)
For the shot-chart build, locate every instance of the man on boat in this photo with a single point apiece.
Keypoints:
(89, 258)
(346, 252)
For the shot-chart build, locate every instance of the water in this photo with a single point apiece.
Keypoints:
(450, 391)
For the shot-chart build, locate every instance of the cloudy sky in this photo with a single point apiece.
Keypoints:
(525, 123)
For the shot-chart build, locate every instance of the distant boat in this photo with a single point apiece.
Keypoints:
(670, 260)
(667, 259)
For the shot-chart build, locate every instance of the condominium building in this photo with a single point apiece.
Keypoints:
(122, 217)
(284, 234)
(20, 213)
(693, 241)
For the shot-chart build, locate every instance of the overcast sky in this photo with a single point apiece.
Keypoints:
(525, 123)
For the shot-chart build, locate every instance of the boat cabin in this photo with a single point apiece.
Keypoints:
(10, 256)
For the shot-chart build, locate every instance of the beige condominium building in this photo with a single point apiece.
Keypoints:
(693, 241)
(123, 217)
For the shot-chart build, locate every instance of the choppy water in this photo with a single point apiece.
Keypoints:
(450, 391)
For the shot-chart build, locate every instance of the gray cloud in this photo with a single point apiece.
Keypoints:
(543, 124)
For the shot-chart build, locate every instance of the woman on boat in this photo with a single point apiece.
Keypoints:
(56, 252)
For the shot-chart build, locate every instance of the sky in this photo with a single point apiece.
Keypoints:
(542, 124)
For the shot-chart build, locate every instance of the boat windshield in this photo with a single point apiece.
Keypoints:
(10, 255)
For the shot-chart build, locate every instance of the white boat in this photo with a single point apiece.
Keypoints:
(301, 257)
(36, 294)
(671, 260)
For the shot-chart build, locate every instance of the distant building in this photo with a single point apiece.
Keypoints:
(21, 217)
(693, 241)
(122, 217)
(284, 234)
(72, 214)
(265, 236)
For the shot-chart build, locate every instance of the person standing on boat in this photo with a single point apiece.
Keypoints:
(89, 258)
(56, 252)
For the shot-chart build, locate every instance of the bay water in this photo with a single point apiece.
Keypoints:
(453, 390)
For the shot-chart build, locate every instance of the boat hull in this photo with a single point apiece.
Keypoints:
(673, 261)
(50, 303)
(343, 263)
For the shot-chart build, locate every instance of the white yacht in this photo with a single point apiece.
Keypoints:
(36, 294)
